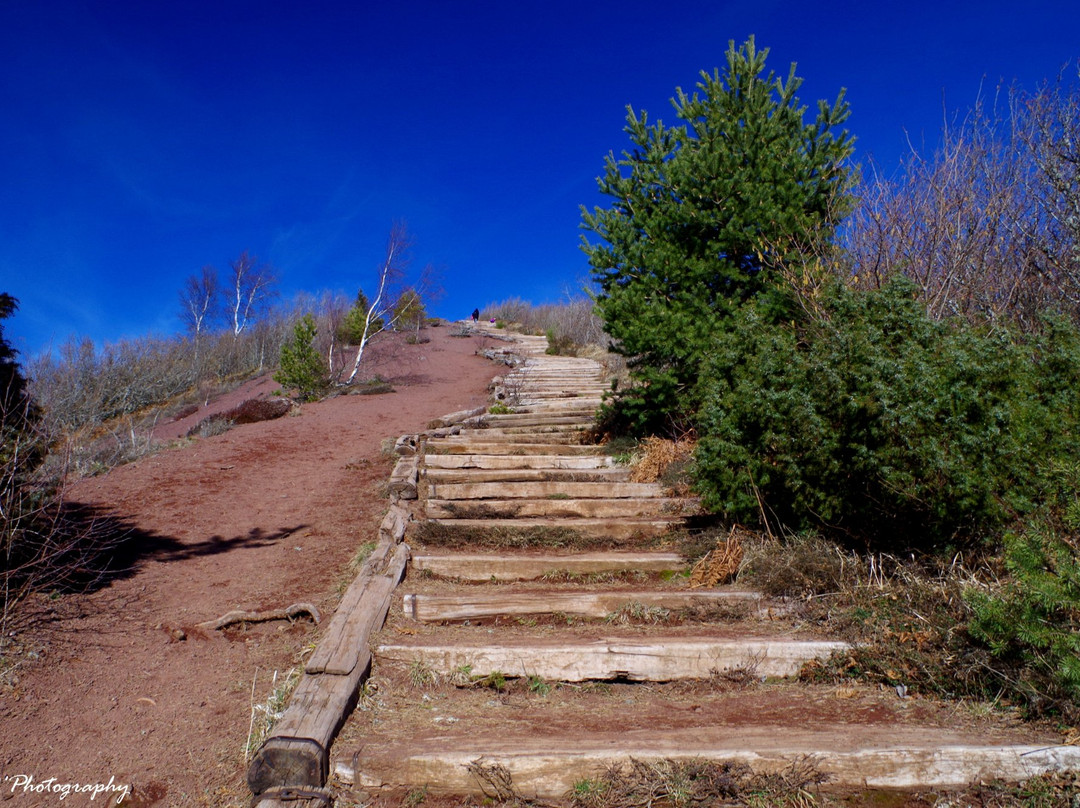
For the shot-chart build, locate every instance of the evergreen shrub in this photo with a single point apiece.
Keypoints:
(301, 366)
(1031, 623)
(873, 422)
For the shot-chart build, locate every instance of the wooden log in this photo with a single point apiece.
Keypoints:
(541, 490)
(481, 461)
(395, 522)
(547, 769)
(457, 446)
(297, 754)
(362, 611)
(283, 762)
(474, 475)
(625, 529)
(597, 508)
(499, 436)
(455, 417)
(618, 658)
(473, 605)
(403, 479)
(405, 445)
(504, 567)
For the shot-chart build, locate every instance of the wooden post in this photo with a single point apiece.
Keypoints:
(297, 756)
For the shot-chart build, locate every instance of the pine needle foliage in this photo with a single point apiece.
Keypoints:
(351, 330)
(1031, 623)
(301, 366)
(699, 213)
(872, 422)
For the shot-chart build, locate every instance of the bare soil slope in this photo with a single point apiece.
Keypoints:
(260, 517)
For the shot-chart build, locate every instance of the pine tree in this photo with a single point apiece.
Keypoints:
(351, 331)
(301, 366)
(409, 311)
(699, 213)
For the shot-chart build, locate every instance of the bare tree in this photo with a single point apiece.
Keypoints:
(333, 306)
(1052, 136)
(391, 273)
(988, 225)
(961, 223)
(199, 304)
(250, 284)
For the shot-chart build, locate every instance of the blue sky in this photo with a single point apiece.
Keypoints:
(142, 140)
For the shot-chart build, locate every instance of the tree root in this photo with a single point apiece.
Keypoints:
(288, 613)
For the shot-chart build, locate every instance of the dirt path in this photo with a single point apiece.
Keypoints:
(259, 517)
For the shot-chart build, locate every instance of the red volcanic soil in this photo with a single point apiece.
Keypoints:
(124, 688)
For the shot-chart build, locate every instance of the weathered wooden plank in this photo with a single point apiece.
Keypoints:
(533, 419)
(621, 508)
(475, 475)
(482, 461)
(535, 403)
(603, 528)
(661, 661)
(405, 445)
(393, 526)
(499, 435)
(539, 490)
(504, 567)
(284, 762)
(403, 479)
(456, 417)
(583, 422)
(473, 605)
(548, 768)
(297, 755)
(454, 446)
(362, 610)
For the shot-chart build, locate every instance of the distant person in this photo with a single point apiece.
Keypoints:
(476, 315)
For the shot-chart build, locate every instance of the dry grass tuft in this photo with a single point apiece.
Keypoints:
(721, 564)
(495, 781)
(669, 782)
(656, 455)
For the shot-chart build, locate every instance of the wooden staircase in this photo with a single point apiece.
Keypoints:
(544, 635)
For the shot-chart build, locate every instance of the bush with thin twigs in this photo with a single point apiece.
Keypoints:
(912, 623)
(572, 322)
(44, 543)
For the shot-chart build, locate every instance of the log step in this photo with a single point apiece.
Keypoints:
(625, 529)
(482, 461)
(623, 508)
(474, 605)
(525, 430)
(500, 567)
(474, 475)
(659, 660)
(535, 419)
(452, 446)
(540, 490)
(569, 437)
(548, 768)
